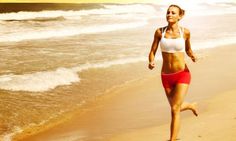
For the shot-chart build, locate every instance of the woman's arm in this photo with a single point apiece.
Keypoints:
(188, 45)
(157, 38)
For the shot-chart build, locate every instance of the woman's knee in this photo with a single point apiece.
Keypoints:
(175, 109)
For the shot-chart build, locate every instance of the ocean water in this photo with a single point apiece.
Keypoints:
(56, 57)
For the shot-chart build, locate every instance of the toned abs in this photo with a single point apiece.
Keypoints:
(173, 62)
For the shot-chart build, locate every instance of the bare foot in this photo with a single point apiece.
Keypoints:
(194, 108)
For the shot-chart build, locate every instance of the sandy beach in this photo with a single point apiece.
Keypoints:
(78, 71)
(217, 123)
(140, 107)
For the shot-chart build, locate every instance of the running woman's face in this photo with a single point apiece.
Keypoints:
(172, 15)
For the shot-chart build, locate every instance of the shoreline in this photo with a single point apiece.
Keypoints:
(138, 88)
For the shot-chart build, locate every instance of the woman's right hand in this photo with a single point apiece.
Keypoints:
(151, 65)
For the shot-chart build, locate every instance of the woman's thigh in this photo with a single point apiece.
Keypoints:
(177, 94)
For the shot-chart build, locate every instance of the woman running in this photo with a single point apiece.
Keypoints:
(174, 42)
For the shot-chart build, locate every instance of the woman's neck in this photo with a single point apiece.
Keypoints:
(173, 27)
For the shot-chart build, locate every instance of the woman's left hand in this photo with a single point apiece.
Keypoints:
(151, 65)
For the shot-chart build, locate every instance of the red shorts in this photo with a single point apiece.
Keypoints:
(169, 80)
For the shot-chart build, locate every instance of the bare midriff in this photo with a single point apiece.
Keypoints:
(173, 62)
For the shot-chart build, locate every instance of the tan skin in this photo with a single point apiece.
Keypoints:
(174, 62)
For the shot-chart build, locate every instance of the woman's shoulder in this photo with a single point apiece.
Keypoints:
(185, 30)
(160, 30)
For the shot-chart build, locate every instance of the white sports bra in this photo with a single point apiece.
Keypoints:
(172, 45)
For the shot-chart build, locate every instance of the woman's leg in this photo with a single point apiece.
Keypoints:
(175, 97)
(189, 106)
(185, 105)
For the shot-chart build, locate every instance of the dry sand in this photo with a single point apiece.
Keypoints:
(218, 123)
